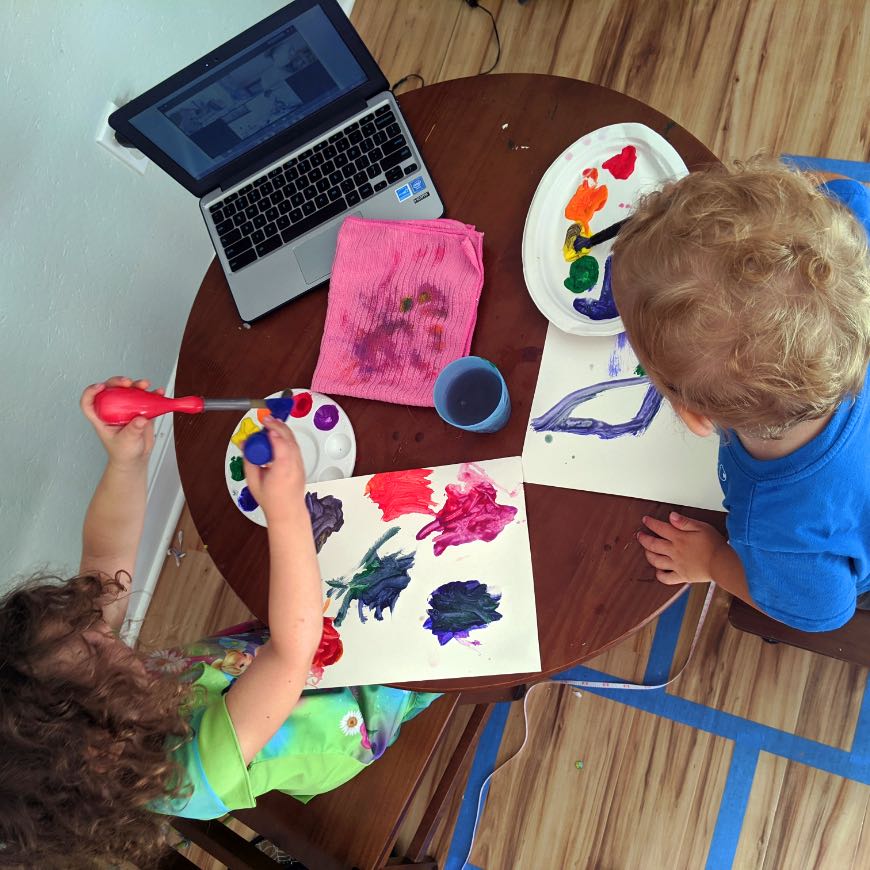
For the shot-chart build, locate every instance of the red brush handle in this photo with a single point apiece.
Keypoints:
(117, 406)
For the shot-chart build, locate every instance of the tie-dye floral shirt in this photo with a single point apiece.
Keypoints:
(331, 735)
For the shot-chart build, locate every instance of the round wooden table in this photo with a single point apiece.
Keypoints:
(592, 583)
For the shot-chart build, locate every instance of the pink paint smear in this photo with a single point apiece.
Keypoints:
(470, 512)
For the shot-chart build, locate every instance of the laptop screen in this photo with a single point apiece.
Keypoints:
(253, 96)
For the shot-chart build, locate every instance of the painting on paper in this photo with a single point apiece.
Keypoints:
(598, 424)
(426, 574)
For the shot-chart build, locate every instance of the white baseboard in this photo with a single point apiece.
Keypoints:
(165, 501)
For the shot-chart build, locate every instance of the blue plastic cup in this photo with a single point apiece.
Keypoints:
(471, 394)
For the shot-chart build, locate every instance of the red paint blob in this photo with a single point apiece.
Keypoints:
(328, 652)
(401, 492)
(302, 403)
(622, 165)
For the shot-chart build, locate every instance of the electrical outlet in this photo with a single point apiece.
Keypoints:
(132, 157)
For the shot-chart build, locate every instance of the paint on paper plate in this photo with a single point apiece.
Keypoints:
(398, 493)
(621, 165)
(559, 419)
(470, 513)
(459, 607)
(377, 583)
(602, 308)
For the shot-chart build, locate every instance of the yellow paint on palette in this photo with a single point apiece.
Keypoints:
(568, 251)
(246, 428)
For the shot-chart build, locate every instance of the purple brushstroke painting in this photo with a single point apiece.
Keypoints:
(603, 308)
(559, 419)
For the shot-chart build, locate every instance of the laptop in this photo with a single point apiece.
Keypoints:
(283, 132)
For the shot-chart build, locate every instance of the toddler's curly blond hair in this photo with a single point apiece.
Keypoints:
(745, 292)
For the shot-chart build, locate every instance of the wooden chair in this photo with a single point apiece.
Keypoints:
(851, 643)
(355, 826)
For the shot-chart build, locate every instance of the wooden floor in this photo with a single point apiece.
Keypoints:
(781, 76)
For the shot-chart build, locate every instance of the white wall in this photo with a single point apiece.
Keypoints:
(98, 265)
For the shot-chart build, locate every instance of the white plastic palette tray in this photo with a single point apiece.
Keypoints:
(326, 440)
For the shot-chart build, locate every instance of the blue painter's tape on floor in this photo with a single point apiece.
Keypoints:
(749, 733)
(664, 645)
(732, 809)
(481, 768)
(850, 168)
(861, 741)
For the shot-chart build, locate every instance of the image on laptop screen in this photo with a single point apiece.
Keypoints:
(255, 95)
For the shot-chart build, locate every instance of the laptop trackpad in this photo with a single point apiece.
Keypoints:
(315, 255)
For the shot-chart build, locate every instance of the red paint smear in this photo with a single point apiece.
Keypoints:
(401, 492)
(302, 403)
(328, 653)
(470, 513)
(622, 165)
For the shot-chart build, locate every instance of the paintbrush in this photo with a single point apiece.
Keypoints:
(605, 235)
(117, 406)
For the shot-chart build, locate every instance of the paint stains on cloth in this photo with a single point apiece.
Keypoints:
(470, 513)
(621, 165)
(398, 493)
(459, 607)
(327, 517)
(376, 585)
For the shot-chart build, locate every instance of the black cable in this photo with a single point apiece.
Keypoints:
(475, 5)
(402, 80)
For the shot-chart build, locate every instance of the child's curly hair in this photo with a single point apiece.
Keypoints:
(86, 734)
(745, 292)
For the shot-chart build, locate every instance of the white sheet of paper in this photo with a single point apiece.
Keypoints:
(398, 647)
(665, 463)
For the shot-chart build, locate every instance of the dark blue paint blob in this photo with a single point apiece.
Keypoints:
(326, 515)
(247, 502)
(281, 407)
(257, 449)
(603, 308)
(559, 419)
(377, 584)
(459, 607)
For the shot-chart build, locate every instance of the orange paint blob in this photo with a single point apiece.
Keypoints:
(588, 199)
(401, 492)
(262, 413)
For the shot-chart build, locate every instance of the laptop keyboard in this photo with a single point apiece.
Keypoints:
(311, 188)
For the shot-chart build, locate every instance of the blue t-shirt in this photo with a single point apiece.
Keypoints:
(801, 524)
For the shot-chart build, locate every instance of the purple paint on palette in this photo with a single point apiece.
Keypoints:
(326, 417)
(281, 407)
(247, 502)
(559, 419)
(614, 364)
(603, 308)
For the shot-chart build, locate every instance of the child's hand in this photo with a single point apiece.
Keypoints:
(681, 551)
(279, 487)
(126, 445)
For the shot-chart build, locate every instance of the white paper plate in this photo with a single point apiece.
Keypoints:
(544, 267)
(327, 453)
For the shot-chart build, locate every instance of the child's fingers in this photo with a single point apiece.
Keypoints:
(669, 578)
(685, 523)
(666, 563)
(118, 381)
(662, 529)
(654, 544)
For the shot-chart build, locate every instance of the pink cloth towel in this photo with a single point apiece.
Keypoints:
(402, 304)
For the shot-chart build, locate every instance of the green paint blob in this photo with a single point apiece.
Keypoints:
(548, 439)
(237, 468)
(639, 371)
(406, 304)
(583, 275)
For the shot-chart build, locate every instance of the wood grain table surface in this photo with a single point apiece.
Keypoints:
(593, 586)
